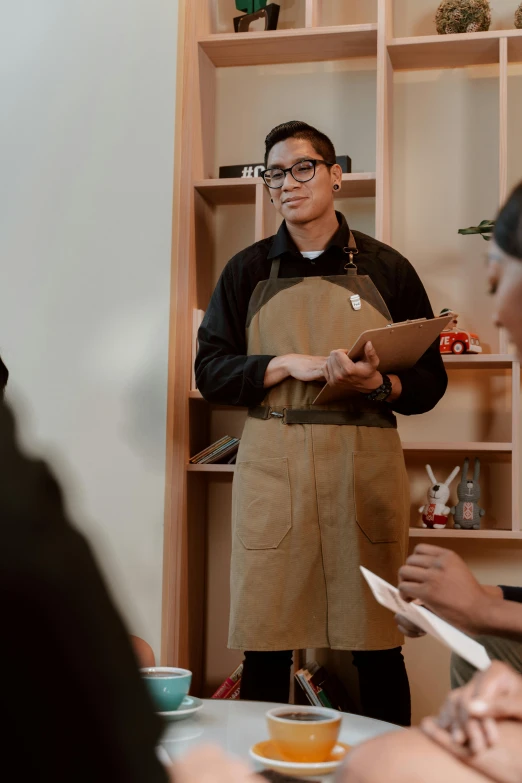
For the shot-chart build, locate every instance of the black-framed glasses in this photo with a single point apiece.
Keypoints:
(302, 171)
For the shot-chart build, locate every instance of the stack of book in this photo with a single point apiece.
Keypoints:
(223, 450)
(230, 688)
(323, 689)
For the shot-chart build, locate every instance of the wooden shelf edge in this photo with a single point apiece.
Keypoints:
(210, 468)
(305, 44)
(453, 51)
(479, 361)
(419, 532)
(460, 446)
(242, 190)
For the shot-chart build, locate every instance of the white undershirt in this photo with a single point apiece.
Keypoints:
(311, 255)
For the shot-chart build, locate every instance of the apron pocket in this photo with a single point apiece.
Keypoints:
(263, 508)
(378, 478)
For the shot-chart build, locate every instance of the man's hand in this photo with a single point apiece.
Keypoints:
(441, 580)
(211, 765)
(294, 365)
(361, 376)
(306, 368)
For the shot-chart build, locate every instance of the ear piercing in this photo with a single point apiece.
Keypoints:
(336, 187)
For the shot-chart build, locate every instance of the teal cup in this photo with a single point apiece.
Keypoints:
(167, 685)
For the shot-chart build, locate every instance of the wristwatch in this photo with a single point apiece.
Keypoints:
(382, 392)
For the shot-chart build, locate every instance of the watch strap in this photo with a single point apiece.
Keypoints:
(382, 392)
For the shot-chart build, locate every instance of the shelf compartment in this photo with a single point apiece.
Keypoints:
(291, 46)
(453, 51)
(483, 361)
(419, 532)
(239, 190)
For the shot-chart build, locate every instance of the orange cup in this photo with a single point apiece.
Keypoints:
(304, 734)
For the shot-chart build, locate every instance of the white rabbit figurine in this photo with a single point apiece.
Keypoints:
(435, 512)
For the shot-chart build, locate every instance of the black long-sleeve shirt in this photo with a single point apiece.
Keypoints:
(226, 375)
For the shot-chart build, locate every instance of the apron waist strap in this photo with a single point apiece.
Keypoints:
(377, 418)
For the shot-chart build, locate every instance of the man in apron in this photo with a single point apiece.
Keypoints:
(318, 490)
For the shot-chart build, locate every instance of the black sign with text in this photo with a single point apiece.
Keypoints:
(254, 169)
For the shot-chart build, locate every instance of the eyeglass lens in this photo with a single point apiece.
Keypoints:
(302, 171)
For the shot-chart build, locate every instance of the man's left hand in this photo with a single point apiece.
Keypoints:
(362, 376)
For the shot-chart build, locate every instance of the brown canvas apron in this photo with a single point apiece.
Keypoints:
(318, 490)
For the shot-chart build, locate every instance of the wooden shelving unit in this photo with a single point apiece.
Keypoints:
(198, 195)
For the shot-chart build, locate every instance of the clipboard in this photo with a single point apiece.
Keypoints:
(399, 346)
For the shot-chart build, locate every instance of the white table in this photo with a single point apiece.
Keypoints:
(237, 725)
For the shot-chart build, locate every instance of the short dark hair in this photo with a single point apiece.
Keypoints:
(508, 226)
(300, 130)
(4, 375)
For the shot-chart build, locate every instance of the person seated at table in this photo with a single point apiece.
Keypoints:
(475, 739)
(478, 733)
(75, 707)
(440, 580)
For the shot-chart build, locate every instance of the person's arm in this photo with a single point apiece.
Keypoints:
(441, 580)
(224, 372)
(423, 385)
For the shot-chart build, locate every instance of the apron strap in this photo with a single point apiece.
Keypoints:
(274, 269)
(351, 250)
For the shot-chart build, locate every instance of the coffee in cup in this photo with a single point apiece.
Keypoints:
(304, 734)
(167, 685)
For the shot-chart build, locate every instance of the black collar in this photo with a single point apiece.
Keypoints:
(283, 242)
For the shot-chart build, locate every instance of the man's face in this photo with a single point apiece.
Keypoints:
(302, 202)
(505, 278)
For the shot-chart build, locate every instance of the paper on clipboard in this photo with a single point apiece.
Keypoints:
(463, 645)
(399, 346)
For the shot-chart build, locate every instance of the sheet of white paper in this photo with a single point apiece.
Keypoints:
(463, 645)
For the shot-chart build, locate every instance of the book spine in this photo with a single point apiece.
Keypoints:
(308, 688)
(234, 693)
(302, 683)
(225, 688)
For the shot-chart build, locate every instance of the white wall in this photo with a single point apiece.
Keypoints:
(86, 155)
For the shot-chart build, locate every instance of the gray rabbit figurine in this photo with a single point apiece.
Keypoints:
(467, 513)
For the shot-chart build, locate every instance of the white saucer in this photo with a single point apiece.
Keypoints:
(266, 754)
(188, 707)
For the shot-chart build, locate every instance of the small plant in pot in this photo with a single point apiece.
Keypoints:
(485, 228)
(518, 17)
(463, 16)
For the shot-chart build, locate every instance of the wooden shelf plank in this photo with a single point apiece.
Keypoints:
(460, 446)
(482, 361)
(239, 190)
(235, 190)
(419, 532)
(291, 46)
(210, 468)
(453, 51)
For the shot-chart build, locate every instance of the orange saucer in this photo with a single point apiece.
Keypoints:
(266, 754)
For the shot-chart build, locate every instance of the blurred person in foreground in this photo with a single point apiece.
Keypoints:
(478, 733)
(74, 705)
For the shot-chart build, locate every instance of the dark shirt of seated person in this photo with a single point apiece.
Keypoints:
(74, 706)
(475, 739)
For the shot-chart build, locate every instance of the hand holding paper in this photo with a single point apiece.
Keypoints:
(463, 645)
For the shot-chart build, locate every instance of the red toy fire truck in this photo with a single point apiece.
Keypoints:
(454, 340)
